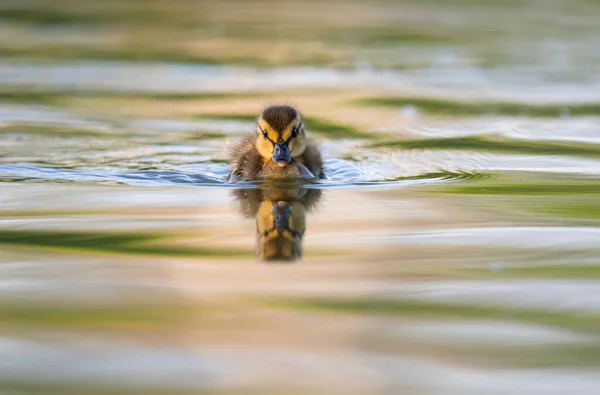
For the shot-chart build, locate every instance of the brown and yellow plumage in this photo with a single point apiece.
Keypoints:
(278, 149)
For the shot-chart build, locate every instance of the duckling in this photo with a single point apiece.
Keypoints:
(279, 149)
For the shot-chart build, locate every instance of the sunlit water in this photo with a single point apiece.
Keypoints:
(452, 249)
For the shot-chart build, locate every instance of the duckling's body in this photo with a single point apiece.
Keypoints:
(248, 164)
(278, 149)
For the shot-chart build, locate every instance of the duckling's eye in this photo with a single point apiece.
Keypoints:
(294, 132)
(265, 133)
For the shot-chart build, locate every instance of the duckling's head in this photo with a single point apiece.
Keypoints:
(280, 136)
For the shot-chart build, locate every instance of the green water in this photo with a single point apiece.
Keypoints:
(454, 247)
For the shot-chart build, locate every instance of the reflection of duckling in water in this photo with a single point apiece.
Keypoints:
(278, 149)
(280, 219)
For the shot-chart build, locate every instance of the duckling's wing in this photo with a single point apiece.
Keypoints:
(231, 178)
(245, 161)
(313, 160)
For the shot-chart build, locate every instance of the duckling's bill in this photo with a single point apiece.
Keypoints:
(281, 154)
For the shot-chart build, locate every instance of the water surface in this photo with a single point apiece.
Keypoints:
(456, 235)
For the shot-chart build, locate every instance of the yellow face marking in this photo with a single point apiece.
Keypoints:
(287, 132)
(272, 133)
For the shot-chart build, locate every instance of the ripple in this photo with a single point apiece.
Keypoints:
(211, 175)
(146, 177)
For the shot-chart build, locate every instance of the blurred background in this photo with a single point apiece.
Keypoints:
(456, 237)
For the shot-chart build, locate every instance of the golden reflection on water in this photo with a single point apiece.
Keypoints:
(280, 215)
